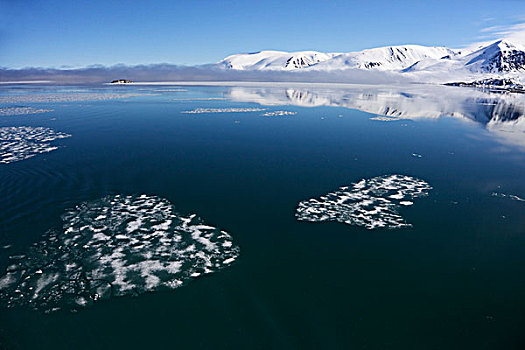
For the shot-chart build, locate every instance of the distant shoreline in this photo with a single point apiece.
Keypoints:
(259, 83)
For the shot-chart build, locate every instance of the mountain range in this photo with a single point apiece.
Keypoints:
(494, 60)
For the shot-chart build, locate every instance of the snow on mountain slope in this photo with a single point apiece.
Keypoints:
(275, 60)
(498, 57)
(385, 58)
(502, 58)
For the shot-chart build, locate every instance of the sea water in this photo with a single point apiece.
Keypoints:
(244, 216)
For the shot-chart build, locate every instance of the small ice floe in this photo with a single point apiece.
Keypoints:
(4, 112)
(510, 196)
(115, 246)
(223, 110)
(384, 119)
(168, 90)
(371, 203)
(23, 142)
(416, 155)
(202, 99)
(278, 113)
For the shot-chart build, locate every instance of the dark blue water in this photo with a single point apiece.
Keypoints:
(454, 280)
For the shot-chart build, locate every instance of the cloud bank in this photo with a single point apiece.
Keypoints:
(169, 72)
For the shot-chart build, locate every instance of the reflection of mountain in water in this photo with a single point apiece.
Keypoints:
(501, 114)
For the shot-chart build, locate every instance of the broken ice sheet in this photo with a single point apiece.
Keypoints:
(371, 203)
(115, 246)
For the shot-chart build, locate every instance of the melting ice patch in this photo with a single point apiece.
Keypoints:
(8, 111)
(23, 142)
(372, 203)
(223, 110)
(115, 246)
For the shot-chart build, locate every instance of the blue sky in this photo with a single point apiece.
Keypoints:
(79, 33)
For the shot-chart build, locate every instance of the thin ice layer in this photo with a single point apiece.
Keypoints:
(115, 246)
(371, 203)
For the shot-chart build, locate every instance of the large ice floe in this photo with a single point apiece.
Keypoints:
(371, 203)
(23, 142)
(115, 246)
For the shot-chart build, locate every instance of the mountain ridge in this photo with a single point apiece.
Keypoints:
(500, 58)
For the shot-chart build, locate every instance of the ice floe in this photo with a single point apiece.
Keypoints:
(511, 196)
(371, 203)
(164, 90)
(201, 99)
(65, 97)
(224, 110)
(115, 246)
(8, 111)
(278, 113)
(23, 142)
(385, 119)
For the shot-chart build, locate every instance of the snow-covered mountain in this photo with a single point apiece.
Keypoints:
(496, 59)
(501, 56)
(383, 58)
(275, 60)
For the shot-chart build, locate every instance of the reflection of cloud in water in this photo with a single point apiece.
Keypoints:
(503, 115)
(115, 246)
(371, 203)
(23, 142)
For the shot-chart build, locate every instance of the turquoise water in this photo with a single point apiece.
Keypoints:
(452, 277)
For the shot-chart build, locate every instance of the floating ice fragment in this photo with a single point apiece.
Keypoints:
(12, 99)
(385, 119)
(223, 110)
(23, 142)
(511, 196)
(371, 203)
(80, 264)
(278, 113)
(4, 112)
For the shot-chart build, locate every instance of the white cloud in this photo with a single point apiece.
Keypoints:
(514, 32)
